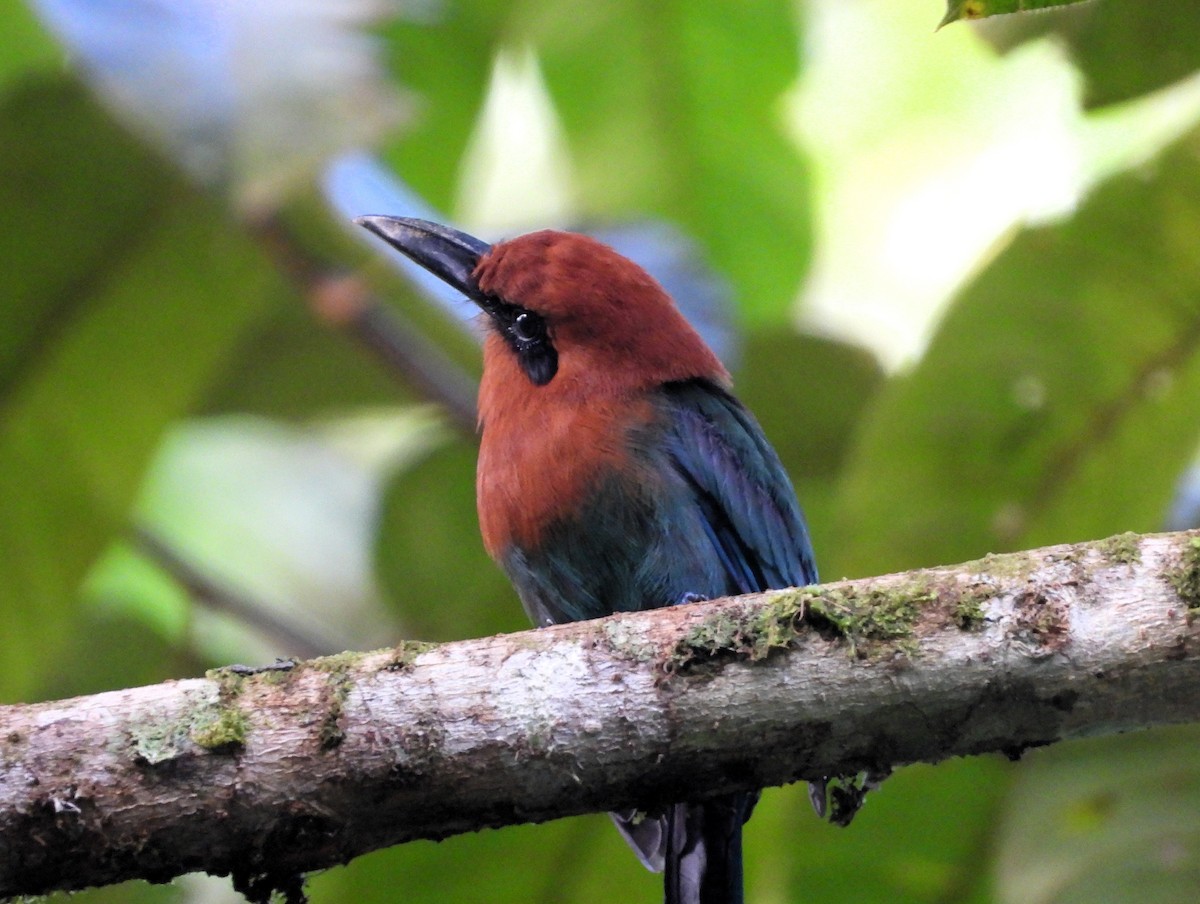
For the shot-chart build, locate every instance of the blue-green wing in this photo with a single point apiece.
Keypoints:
(746, 502)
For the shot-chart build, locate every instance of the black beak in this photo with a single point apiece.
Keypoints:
(446, 253)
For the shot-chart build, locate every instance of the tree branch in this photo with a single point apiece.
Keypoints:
(266, 775)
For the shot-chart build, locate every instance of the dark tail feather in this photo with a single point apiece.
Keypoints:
(704, 851)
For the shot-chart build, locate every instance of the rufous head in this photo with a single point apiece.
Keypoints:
(563, 307)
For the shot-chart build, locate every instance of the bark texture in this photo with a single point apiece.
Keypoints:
(272, 773)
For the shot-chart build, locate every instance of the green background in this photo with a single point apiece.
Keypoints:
(148, 328)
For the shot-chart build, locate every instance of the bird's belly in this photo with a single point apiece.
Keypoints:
(624, 552)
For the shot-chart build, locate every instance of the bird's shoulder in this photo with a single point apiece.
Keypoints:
(738, 481)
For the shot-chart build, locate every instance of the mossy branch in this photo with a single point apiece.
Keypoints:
(266, 774)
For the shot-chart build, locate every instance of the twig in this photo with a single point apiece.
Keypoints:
(344, 301)
(218, 597)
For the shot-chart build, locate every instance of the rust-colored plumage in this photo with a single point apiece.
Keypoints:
(618, 336)
(615, 327)
(617, 472)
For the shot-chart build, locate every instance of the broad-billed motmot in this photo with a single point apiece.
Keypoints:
(616, 472)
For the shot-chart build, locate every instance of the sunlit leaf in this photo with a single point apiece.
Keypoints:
(446, 59)
(674, 111)
(281, 517)
(27, 47)
(1057, 401)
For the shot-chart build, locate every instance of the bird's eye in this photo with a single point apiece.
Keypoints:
(528, 327)
(525, 332)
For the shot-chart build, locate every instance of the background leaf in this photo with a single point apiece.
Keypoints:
(140, 283)
(1122, 48)
(447, 61)
(1073, 357)
(27, 49)
(1110, 819)
(429, 555)
(675, 109)
(810, 394)
(920, 839)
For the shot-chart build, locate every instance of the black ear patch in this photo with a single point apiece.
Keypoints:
(526, 334)
(540, 364)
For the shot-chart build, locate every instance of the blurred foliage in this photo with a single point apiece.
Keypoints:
(94, 362)
(1056, 402)
(1122, 51)
(428, 547)
(27, 48)
(670, 110)
(681, 119)
(1067, 365)
(1122, 826)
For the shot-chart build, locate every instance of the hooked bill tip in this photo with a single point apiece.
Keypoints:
(408, 230)
(391, 227)
(444, 251)
(384, 227)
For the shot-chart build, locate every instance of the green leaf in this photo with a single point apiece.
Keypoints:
(1112, 819)
(809, 393)
(982, 9)
(921, 838)
(111, 650)
(447, 61)
(296, 367)
(429, 557)
(671, 110)
(579, 860)
(282, 516)
(133, 892)
(123, 294)
(1058, 400)
(1124, 48)
(901, 849)
(28, 49)
(675, 109)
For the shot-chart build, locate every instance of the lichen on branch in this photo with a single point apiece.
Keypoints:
(269, 773)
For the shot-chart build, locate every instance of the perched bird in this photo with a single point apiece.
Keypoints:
(616, 472)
